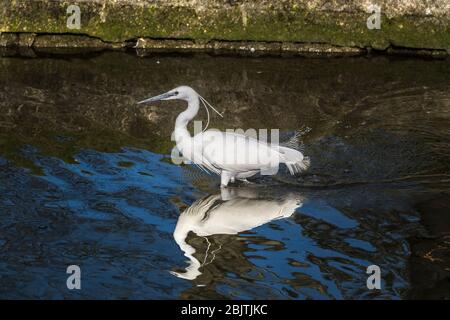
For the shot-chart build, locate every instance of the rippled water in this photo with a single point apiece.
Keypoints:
(86, 179)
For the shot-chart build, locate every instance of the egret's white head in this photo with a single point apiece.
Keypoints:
(181, 93)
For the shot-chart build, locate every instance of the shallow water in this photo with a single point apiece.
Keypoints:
(86, 179)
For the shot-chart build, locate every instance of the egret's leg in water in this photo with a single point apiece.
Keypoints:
(227, 194)
(225, 177)
(244, 175)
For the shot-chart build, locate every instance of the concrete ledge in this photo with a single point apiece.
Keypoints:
(338, 26)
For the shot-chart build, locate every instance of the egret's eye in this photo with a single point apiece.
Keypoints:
(176, 93)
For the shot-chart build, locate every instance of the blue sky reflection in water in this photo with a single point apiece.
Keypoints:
(116, 222)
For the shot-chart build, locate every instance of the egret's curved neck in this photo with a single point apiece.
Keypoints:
(184, 118)
(193, 270)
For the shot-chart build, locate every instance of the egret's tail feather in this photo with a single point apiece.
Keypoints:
(299, 166)
(294, 160)
(294, 142)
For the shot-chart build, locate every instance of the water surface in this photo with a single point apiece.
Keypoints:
(86, 179)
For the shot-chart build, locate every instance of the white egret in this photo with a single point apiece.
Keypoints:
(229, 154)
(232, 211)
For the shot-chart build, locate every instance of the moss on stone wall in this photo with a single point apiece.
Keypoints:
(338, 24)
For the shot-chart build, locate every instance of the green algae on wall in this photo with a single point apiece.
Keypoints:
(338, 23)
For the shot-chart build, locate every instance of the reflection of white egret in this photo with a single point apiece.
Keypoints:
(230, 154)
(230, 212)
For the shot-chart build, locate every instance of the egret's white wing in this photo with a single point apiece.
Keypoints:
(193, 151)
(234, 152)
(207, 165)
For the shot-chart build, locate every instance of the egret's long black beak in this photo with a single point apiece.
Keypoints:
(158, 98)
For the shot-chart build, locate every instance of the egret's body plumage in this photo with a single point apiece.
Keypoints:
(229, 154)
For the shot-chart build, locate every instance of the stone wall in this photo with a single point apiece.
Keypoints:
(239, 25)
